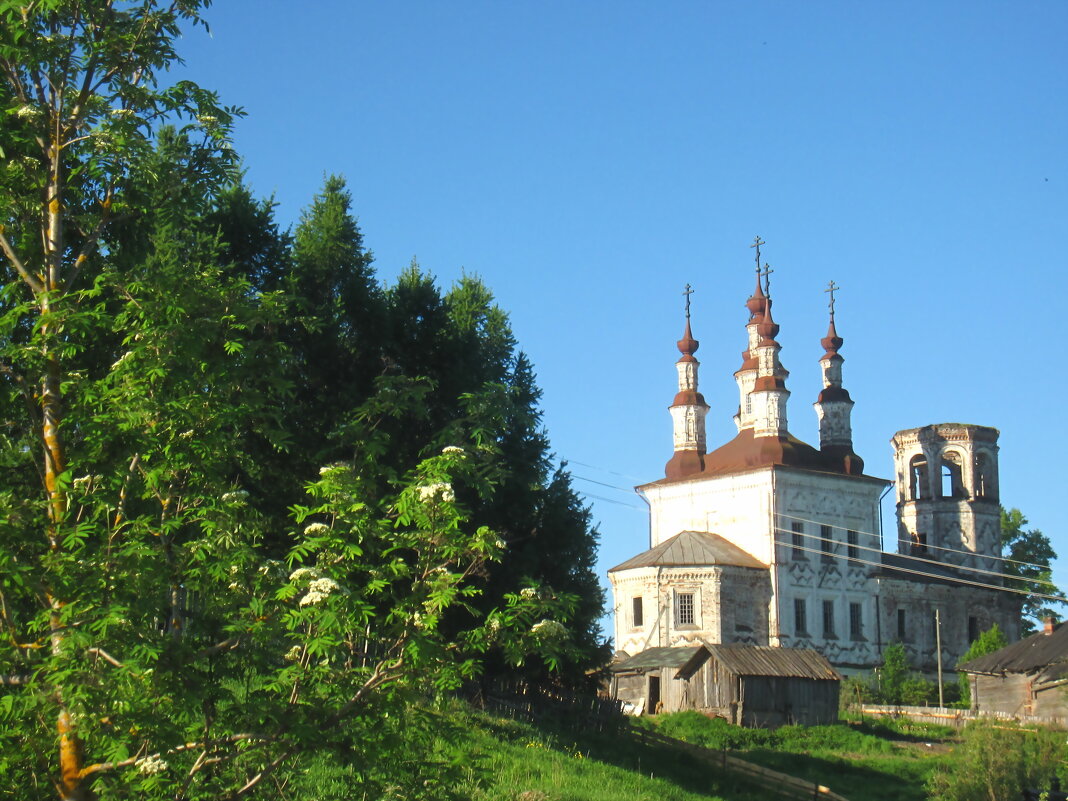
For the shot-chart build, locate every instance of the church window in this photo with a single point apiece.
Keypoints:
(636, 611)
(800, 618)
(973, 629)
(901, 625)
(851, 539)
(828, 619)
(856, 622)
(798, 539)
(919, 543)
(984, 478)
(826, 544)
(748, 404)
(684, 611)
(952, 476)
(918, 489)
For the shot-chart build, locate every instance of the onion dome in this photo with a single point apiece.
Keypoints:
(767, 329)
(758, 301)
(832, 342)
(687, 345)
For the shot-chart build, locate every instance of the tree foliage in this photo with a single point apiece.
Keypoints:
(254, 503)
(1031, 555)
(993, 639)
(998, 763)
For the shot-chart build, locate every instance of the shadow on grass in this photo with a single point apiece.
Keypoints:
(622, 750)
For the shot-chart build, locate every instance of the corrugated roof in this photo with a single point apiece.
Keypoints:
(1029, 654)
(654, 658)
(692, 548)
(763, 660)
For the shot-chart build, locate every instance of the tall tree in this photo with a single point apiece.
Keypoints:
(82, 97)
(1030, 555)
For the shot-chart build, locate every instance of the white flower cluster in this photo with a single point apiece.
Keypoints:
(452, 449)
(528, 592)
(293, 654)
(150, 765)
(331, 468)
(318, 590)
(439, 491)
(121, 359)
(27, 112)
(549, 630)
(237, 496)
(316, 529)
(82, 484)
(302, 573)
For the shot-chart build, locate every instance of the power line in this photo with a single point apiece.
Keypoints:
(939, 576)
(932, 547)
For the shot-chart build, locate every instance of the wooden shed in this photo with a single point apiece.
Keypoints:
(645, 683)
(1028, 677)
(756, 686)
(762, 686)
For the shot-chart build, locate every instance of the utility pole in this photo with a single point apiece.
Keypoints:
(938, 654)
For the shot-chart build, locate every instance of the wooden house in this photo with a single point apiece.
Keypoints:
(1029, 677)
(749, 685)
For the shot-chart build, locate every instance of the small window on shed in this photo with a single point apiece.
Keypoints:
(973, 629)
(901, 628)
(636, 611)
(684, 611)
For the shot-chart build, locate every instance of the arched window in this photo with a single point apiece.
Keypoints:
(984, 478)
(918, 486)
(952, 476)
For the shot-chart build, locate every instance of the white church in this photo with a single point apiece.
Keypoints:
(767, 540)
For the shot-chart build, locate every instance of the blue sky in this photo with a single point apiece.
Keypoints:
(589, 159)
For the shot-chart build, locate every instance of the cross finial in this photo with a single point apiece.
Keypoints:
(766, 275)
(687, 293)
(832, 287)
(757, 242)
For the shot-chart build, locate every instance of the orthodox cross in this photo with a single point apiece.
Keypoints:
(757, 242)
(687, 293)
(766, 275)
(832, 287)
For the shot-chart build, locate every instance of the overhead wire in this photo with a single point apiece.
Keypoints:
(930, 547)
(978, 570)
(938, 576)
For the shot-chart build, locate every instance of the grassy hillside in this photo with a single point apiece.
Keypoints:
(521, 762)
(866, 761)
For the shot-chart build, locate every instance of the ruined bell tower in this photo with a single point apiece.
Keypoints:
(947, 495)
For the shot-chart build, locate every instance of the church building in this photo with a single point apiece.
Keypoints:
(767, 540)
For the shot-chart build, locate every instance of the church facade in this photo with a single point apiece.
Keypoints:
(767, 540)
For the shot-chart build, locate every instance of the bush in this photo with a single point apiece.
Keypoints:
(996, 763)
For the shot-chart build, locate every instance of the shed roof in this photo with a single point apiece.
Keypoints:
(764, 660)
(654, 658)
(1026, 656)
(692, 548)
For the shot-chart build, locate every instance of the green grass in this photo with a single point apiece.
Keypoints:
(870, 761)
(520, 762)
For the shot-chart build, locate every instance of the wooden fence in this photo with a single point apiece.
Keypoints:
(948, 716)
(779, 784)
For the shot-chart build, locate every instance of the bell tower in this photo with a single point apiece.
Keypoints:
(947, 495)
(688, 410)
